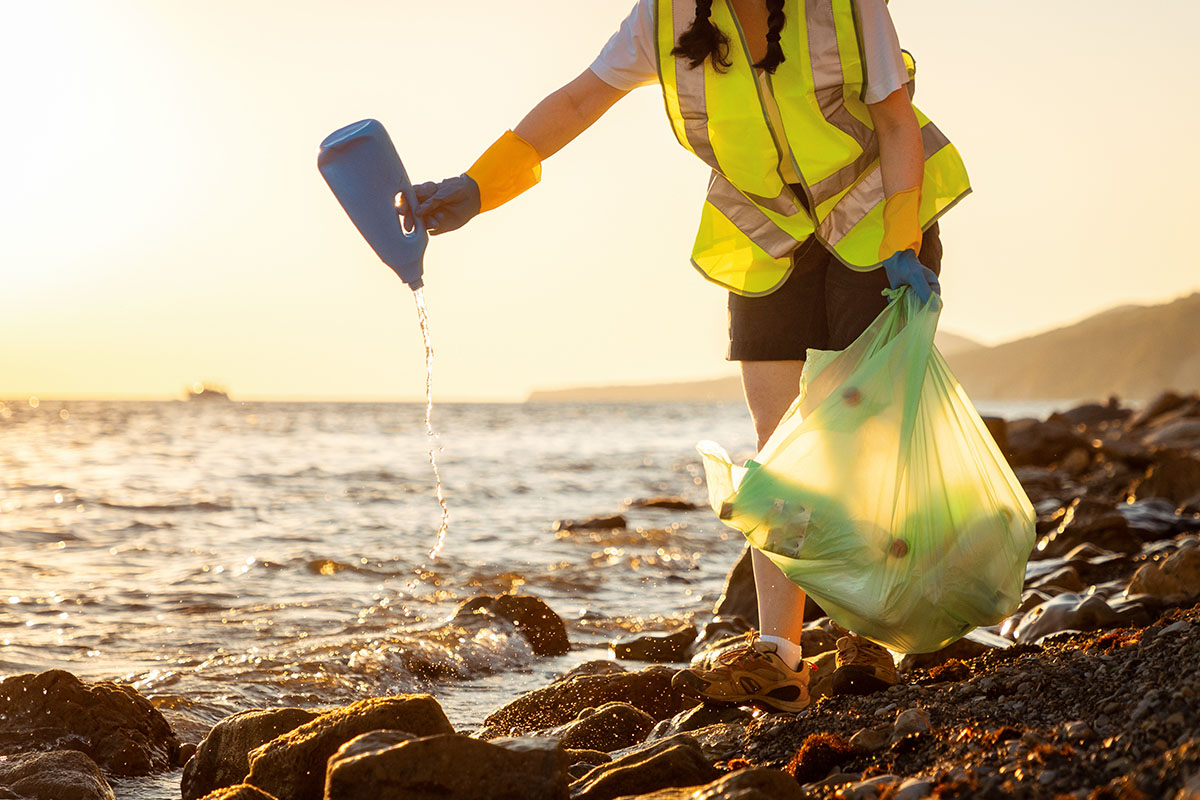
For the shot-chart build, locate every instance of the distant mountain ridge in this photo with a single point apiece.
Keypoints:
(1132, 351)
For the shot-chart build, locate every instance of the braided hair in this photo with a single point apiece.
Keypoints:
(775, 20)
(704, 40)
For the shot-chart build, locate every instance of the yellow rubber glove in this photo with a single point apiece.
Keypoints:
(507, 168)
(901, 223)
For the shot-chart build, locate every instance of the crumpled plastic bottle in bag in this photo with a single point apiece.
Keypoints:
(881, 492)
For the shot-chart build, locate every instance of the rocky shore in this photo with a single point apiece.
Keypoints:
(1089, 691)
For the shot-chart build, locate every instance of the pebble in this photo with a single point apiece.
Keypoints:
(1182, 626)
(1078, 730)
(883, 712)
(914, 720)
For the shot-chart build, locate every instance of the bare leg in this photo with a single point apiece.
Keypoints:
(770, 388)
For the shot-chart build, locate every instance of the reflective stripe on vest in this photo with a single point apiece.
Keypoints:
(720, 117)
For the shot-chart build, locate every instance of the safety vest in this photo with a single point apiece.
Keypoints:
(752, 220)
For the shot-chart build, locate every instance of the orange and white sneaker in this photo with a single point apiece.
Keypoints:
(863, 667)
(751, 673)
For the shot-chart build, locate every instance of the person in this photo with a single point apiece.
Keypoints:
(826, 189)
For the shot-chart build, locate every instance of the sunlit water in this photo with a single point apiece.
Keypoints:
(223, 556)
(444, 525)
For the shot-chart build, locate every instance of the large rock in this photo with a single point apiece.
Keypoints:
(1175, 477)
(223, 758)
(739, 598)
(747, 784)
(111, 723)
(1035, 443)
(452, 767)
(649, 690)
(55, 775)
(612, 726)
(1075, 612)
(1175, 577)
(670, 763)
(659, 647)
(545, 630)
(1087, 521)
(1093, 415)
(292, 766)
(242, 791)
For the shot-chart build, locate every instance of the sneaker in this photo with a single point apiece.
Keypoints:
(863, 667)
(752, 673)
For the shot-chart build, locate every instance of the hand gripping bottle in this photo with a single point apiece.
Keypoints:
(361, 166)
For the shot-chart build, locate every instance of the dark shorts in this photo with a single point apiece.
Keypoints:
(822, 305)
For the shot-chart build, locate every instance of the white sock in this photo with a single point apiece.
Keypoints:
(788, 650)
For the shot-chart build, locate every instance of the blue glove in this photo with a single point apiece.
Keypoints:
(444, 206)
(903, 269)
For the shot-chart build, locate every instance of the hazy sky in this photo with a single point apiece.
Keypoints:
(162, 220)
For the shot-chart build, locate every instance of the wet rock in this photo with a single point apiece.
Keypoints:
(612, 726)
(1089, 521)
(659, 647)
(599, 666)
(1176, 576)
(1175, 477)
(670, 763)
(913, 789)
(242, 791)
(1093, 415)
(1158, 518)
(667, 503)
(1035, 443)
(697, 717)
(589, 757)
(1164, 403)
(292, 766)
(1061, 580)
(53, 775)
(720, 629)
(1182, 626)
(111, 723)
(1076, 461)
(1067, 612)
(598, 523)
(649, 690)
(370, 743)
(739, 598)
(1128, 452)
(747, 784)
(544, 629)
(451, 766)
(223, 757)
(1183, 434)
(998, 428)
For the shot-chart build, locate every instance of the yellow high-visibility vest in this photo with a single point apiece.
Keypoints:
(752, 220)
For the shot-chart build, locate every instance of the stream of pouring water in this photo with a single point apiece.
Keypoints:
(423, 316)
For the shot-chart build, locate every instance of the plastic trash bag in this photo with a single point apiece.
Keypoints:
(882, 494)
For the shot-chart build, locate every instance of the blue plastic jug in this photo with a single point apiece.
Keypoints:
(361, 166)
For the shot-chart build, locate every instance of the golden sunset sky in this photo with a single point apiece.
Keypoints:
(162, 219)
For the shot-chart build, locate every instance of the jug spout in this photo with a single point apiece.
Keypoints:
(362, 167)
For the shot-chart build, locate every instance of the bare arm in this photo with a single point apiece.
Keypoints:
(901, 151)
(567, 112)
(551, 125)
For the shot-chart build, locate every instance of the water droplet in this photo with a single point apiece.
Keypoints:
(58, 498)
(63, 413)
(34, 402)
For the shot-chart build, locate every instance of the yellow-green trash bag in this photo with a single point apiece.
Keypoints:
(881, 492)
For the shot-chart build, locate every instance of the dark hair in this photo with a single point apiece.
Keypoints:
(705, 40)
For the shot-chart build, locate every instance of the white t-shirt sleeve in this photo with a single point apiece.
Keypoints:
(881, 50)
(629, 60)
